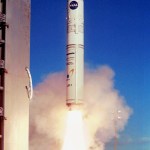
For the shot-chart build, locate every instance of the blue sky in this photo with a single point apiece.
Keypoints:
(117, 34)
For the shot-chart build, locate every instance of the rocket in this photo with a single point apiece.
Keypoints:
(75, 54)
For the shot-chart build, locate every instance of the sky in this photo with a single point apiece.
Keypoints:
(117, 34)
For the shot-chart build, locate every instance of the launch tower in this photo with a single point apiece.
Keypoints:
(14, 58)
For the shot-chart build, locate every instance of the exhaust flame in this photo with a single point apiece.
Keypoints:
(75, 137)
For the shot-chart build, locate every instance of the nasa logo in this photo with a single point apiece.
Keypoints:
(73, 5)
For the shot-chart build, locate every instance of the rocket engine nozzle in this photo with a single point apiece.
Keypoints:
(72, 107)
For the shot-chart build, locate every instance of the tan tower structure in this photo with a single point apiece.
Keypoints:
(14, 77)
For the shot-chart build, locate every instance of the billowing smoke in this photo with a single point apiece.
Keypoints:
(103, 106)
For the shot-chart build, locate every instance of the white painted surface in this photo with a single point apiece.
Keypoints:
(75, 52)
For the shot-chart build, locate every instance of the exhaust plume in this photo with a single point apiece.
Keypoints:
(103, 106)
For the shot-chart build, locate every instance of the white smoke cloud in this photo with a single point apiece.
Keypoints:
(103, 105)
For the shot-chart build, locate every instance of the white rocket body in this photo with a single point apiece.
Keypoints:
(75, 53)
